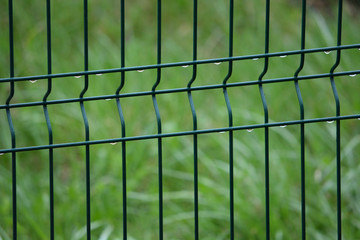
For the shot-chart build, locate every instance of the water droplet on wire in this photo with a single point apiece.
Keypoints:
(113, 143)
(283, 126)
(327, 52)
(99, 74)
(255, 59)
(185, 66)
(283, 56)
(217, 63)
(249, 130)
(77, 76)
(352, 75)
(107, 99)
(1, 154)
(141, 70)
(222, 132)
(33, 81)
(331, 121)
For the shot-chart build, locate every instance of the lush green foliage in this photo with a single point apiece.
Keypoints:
(104, 52)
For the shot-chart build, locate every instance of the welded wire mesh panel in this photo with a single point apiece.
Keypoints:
(179, 119)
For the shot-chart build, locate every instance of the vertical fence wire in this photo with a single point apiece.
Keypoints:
(194, 117)
(230, 117)
(302, 125)
(337, 103)
(266, 120)
(158, 119)
(122, 118)
(10, 122)
(86, 122)
(47, 117)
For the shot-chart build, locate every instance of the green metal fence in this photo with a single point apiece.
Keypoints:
(190, 88)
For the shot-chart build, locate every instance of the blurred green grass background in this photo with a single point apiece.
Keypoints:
(104, 53)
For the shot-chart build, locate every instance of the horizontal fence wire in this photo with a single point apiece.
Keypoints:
(176, 90)
(231, 128)
(183, 133)
(194, 62)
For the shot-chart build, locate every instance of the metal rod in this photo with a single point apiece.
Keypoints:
(122, 118)
(47, 118)
(10, 122)
(86, 122)
(338, 137)
(178, 64)
(266, 120)
(230, 119)
(194, 117)
(198, 88)
(158, 119)
(177, 134)
(302, 125)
